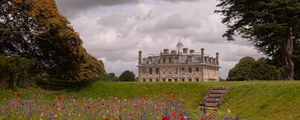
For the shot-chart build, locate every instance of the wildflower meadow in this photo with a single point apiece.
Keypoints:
(164, 107)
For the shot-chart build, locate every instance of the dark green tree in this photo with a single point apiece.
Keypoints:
(127, 76)
(250, 69)
(271, 25)
(242, 70)
(112, 77)
(263, 70)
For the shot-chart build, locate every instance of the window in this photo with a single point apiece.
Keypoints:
(197, 69)
(156, 80)
(144, 80)
(150, 70)
(190, 70)
(190, 80)
(157, 70)
(170, 80)
(150, 80)
(170, 60)
(175, 80)
(182, 80)
(182, 68)
(164, 60)
(197, 79)
(164, 80)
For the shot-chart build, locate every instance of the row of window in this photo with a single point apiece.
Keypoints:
(171, 80)
(182, 69)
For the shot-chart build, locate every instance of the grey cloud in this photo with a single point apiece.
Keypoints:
(116, 36)
(71, 8)
(181, 0)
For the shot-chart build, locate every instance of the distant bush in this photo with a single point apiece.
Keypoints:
(127, 76)
(250, 69)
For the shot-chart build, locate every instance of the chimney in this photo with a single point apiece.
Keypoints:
(166, 51)
(211, 60)
(217, 58)
(140, 57)
(185, 50)
(202, 55)
(173, 52)
(192, 51)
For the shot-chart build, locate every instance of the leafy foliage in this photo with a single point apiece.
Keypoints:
(127, 76)
(34, 29)
(14, 71)
(250, 69)
(271, 25)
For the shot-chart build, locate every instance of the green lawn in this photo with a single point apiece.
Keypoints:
(261, 100)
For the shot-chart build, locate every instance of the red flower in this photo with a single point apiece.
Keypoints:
(59, 98)
(173, 113)
(165, 118)
(106, 119)
(18, 94)
(182, 118)
(202, 118)
(87, 107)
(62, 109)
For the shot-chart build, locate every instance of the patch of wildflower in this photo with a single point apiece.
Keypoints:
(165, 107)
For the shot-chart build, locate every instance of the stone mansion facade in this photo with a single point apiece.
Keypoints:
(182, 65)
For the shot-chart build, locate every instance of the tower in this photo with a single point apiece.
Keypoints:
(179, 46)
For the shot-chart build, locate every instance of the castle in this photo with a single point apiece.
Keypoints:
(183, 65)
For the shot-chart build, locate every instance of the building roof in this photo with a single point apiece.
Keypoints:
(183, 59)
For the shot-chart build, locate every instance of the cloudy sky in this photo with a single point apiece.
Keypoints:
(115, 30)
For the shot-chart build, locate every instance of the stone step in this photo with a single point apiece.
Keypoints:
(212, 100)
(211, 104)
(218, 91)
(220, 88)
(211, 108)
(215, 96)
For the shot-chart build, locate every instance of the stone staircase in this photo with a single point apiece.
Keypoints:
(214, 98)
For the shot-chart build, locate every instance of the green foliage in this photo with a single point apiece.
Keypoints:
(14, 71)
(57, 48)
(271, 25)
(112, 77)
(127, 76)
(242, 70)
(250, 69)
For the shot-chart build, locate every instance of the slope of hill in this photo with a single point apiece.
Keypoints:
(260, 100)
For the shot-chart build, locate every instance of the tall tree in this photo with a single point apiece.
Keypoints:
(271, 25)
(35, 29)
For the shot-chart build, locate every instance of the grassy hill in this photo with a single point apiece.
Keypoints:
(261, 100)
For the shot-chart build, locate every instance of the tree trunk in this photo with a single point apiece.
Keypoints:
(287, 52)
